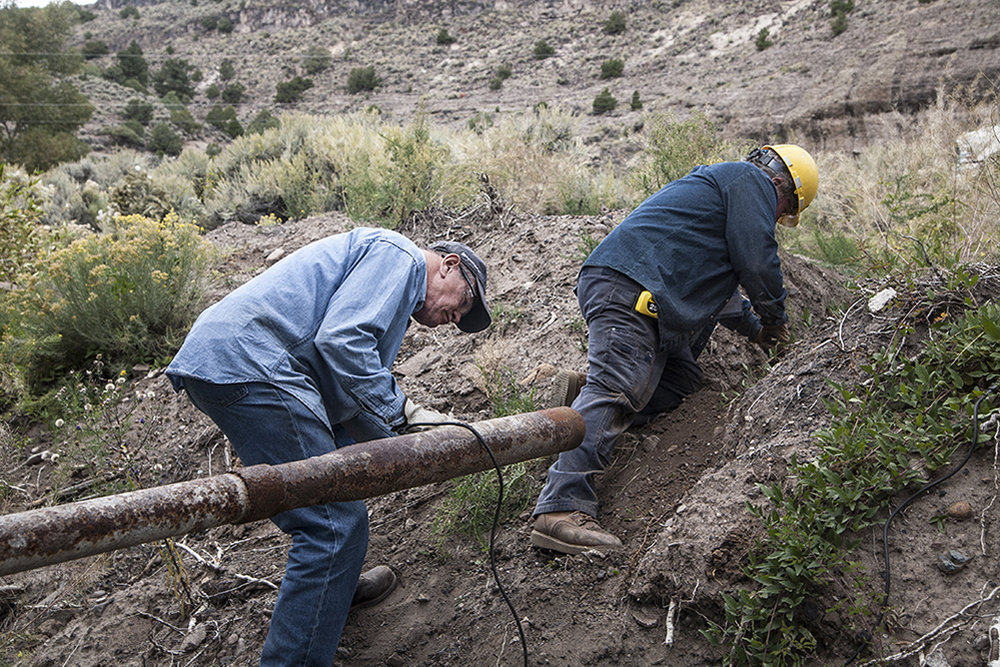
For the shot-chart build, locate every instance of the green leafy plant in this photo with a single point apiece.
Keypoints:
(542, 50)
(675, 147)
(502, 73)
(362, 79)
(316, 60)
(612, 69)
(839, 9)
(99, 428)
(763, 40)
(20, 212)
(128, 295)
(291, 91)
(223, 118)
(636, 102)
(885, 435)
(233, 93)
(604, 102)
(164, 141)
(443, 38)
(140, 110)
(226, 70)
(615, 24)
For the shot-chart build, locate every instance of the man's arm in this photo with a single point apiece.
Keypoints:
(751, 206)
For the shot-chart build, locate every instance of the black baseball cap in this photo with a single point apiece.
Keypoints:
(478, 318)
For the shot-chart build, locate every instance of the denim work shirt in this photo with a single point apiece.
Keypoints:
(695, 241)
(329, 317)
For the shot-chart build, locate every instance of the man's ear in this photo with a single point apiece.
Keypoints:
(451, 261)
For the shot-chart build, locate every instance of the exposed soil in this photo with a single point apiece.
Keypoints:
(675, 493)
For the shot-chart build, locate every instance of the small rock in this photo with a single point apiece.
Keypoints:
(645, 620)
(960, 510)
(952, 562)
(274, 256)
(194, 638)
(880, 300)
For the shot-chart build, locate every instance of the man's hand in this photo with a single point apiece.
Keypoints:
(416, 414)
(773, 337)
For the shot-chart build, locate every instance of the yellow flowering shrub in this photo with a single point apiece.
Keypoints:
(129, 295)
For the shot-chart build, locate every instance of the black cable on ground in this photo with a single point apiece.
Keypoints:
(866, 637)
(493, 529)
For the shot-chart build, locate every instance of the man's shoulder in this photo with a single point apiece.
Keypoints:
(375, 239)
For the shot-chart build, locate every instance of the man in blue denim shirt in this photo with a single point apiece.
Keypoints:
(295, 363)
(687, 249)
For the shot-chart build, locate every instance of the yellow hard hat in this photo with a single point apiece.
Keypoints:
(805, 176)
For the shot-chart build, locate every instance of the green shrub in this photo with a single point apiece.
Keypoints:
(182, 118)
(501, 74)
(223, 118)
(264, 120)
(164, 141)
(212, 92)
(542, 50)
(604, 102)
(612, 69)
(20, 212)
(210, 22)
(408, 183)
(174, 76)
(233, 93)
(443, 38)
(615, 25)
(316, 60)
(763, 41)
(636, 103)
(675, 147)
(225, 25)
(226, 70)
(94, 48)
(839, 9)
(129, 11)
(361, 79)
(126, 135)
(140, 110)
(129, 296)
(291, 91)
(886, 435)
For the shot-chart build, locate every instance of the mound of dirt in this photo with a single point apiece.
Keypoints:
(675, 493)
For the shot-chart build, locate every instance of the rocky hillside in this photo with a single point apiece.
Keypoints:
(765, 70)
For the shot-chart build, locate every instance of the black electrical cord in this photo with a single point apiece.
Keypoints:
(866, 637)
(496, 523)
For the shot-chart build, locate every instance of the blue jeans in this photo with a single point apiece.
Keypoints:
(631, 378)
(268, 425)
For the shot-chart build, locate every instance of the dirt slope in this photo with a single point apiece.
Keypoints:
(674, 493)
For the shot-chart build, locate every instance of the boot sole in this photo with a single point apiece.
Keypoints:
(543, 541)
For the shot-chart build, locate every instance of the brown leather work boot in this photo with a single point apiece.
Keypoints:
(572, 533)
(373, 587)
(565, 388)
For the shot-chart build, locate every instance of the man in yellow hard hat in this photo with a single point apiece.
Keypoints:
(651, 294)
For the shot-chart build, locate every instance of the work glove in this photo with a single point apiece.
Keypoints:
(773, 337)
(416, 414)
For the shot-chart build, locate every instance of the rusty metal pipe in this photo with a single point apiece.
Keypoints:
(56, 534)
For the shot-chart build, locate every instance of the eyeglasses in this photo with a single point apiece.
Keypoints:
(470, 295)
